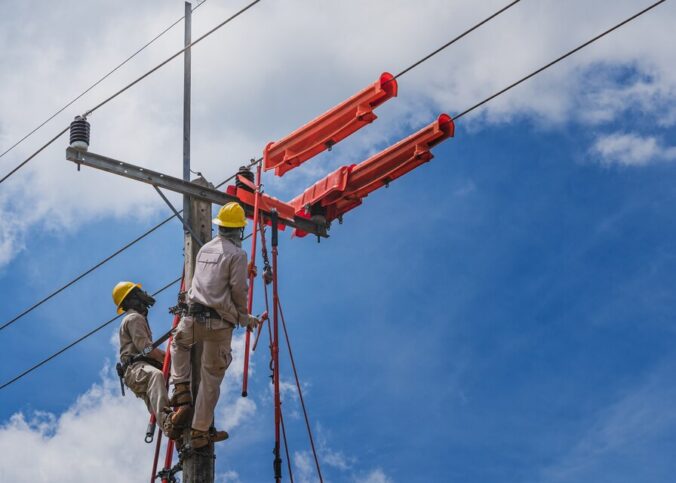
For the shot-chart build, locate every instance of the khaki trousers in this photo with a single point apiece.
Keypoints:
(216, 357)
(147, 382)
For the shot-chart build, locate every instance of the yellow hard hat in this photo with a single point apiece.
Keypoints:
(231, 215)
(120, 292)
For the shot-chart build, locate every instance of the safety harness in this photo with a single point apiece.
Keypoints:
(126, 361)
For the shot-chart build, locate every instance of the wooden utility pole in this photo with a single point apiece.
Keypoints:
(198, 466)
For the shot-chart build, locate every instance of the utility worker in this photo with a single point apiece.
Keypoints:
(217, 303)
(140, 367)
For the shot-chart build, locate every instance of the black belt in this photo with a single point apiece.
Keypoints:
(196, 308)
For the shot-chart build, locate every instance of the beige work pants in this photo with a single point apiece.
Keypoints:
(148, 383)
(216, 357)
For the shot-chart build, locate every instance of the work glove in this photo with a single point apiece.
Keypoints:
(252, 322)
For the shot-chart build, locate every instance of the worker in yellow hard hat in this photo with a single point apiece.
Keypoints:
(140, 366)
(217, 303)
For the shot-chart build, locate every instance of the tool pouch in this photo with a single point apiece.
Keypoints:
(120, 372)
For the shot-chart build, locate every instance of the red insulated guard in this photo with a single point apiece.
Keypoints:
(330, 128)
(265, 202)
(346, 187)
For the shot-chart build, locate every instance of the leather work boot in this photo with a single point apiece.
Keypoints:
(175, 422)
(182, 395)
(199, 439)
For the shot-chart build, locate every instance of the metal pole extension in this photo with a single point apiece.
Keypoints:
(186, 110)
(252, 278)
(277, 464)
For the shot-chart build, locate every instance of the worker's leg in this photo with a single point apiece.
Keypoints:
(156, 394)
(147, 382)
(216, 357)
(180, 350)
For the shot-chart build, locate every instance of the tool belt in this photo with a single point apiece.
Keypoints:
(202, 311)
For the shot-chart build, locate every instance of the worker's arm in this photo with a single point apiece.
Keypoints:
(239, 287)
(138, 330)
(157, 354)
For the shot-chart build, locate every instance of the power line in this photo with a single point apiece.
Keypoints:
(131, 84)
(427, 57)
(87, 335)
(467, 111)
(101, 79)
(559, 59)
(452, 41)
(103, 261)
(77, 341)
(406, 70)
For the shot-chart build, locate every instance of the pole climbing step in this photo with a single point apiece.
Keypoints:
(330, 128)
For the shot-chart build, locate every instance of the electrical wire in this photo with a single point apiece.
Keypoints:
(77, 341)
(130, 85)
(409, 68)
(452, 41)
(101, 79)
(559, 59)
(87, 335)
(463, 113)
(103, 261)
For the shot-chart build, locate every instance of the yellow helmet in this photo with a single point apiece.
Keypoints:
(231, 215)
(120, 292)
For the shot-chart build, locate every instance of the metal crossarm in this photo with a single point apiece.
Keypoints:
(177, 185)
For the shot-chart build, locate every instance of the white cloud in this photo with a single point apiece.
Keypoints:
(249, 89)
(375, 476)
(632, 428)
(102, 433)
(630, 149)
(233, 410)
(304, 467)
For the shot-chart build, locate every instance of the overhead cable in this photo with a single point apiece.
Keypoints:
(467, 111)
(88, 334)
(102, 262)
(454, 40)
(101, 79)
(557, 60)
(416, 64)
(77, 341)
(130, 85)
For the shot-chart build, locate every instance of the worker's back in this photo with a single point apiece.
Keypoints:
(220, 279)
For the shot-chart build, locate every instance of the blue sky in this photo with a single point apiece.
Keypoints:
(503, 313)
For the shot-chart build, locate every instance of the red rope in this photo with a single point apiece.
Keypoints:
(293, 365)
(252, 264)
(300, 392)
(286, 444)
(165, 372)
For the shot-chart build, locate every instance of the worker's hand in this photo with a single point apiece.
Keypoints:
(157, 354)
(253, 322)
(253, 271)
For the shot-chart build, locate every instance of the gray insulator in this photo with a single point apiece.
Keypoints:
(79, 133)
